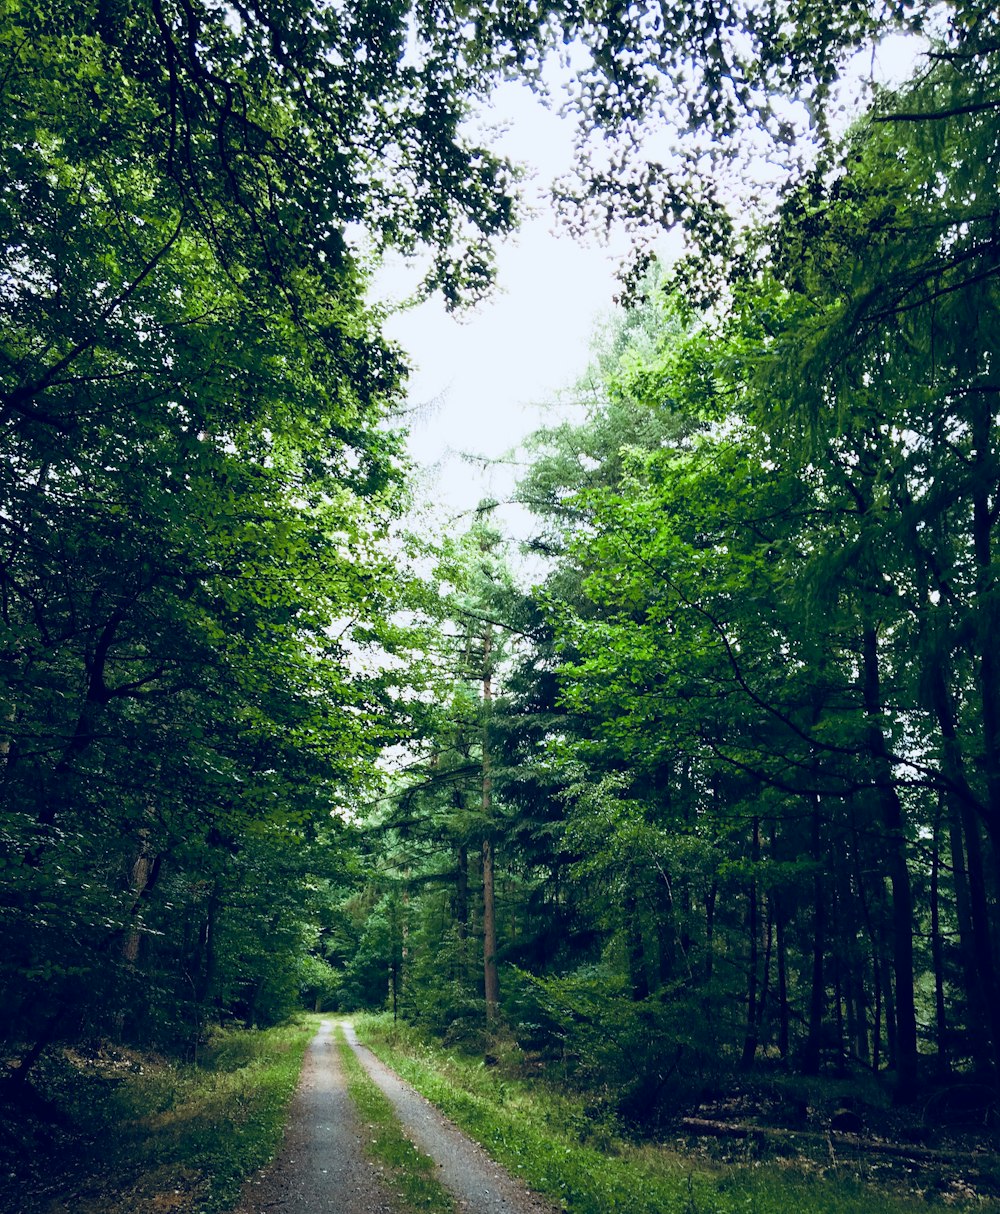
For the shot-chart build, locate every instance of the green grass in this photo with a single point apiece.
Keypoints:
(230, 1113)
(145, 1134)
(410, 1171)
(545, 1137)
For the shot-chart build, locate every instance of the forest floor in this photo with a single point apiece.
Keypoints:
(320, 1168)
(756, 1145)
(110, 1130)
(476, 1183)
(119, 1132)
(107, 1129)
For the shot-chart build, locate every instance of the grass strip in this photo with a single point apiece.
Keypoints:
(411, 1172)
(146, 1134)
(544, 1137)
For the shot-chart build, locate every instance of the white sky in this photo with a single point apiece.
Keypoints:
(481, 381)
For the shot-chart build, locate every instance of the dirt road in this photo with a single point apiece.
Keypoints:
(321, 1168)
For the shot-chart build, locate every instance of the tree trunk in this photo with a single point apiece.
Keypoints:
(877, 1019)
(817, 992)
(491, 984)
(937, 954)
(750, 1039)
(899, 876)
(782, 977)
(983, 944)
(207, 957)
(710, 899)
(638, 980)
(988, 611)
(462, 909)
(856, 962)
(971, 904)
(139, 875)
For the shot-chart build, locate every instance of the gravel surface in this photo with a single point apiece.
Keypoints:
(478, 1185)
(320, 1168)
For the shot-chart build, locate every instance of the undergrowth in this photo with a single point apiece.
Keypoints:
(410, 1173)
(117, 1131)
(547, 1138)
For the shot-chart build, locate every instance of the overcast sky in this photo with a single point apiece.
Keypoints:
(480, 381)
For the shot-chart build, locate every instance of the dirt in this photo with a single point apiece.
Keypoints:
(321, 1168)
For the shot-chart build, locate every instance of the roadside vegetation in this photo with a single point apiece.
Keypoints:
(407, 1171)
(582, 1158)
(111, 1130)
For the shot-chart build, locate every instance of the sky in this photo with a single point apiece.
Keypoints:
(481, 382)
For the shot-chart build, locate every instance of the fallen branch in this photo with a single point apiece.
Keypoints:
(702, 1128)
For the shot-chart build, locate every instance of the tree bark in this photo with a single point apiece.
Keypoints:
(988, 611)
(899, 876)
(784, 1017)
(817, 991)
(750, 1038)
(975, 924)
(937, 953)
(491, 984)
(638, 980)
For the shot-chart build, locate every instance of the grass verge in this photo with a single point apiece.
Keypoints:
(546, 1137)
(140, 1134)
(410, 1173)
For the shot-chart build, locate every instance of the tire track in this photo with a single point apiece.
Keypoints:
(320, 1168)
(478, 1184)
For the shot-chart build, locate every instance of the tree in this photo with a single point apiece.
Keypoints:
(892, 377)
(193, 488)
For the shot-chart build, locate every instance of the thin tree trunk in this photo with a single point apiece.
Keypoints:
(817, 992)
(462, 908)
(988, 623)
(851, 928)
(877, 1020)
(784, 1017)
(937, 952)
(207, 956)
(139, 878)
(838, 1004)
(765, 982)
(983, 945)
(899, 875)
(491, 985)
(750, 1039)
(638, 980)
(971, 906)
(710, 898)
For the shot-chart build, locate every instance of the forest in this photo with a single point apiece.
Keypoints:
(700, 784)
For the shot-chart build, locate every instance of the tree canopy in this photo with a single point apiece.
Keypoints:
(725, 786)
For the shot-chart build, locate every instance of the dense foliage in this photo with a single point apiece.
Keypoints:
(725, 788)
(745, 760)
(193, 484)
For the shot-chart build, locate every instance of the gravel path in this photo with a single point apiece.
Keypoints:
(320, 1168)
(478, 1185)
